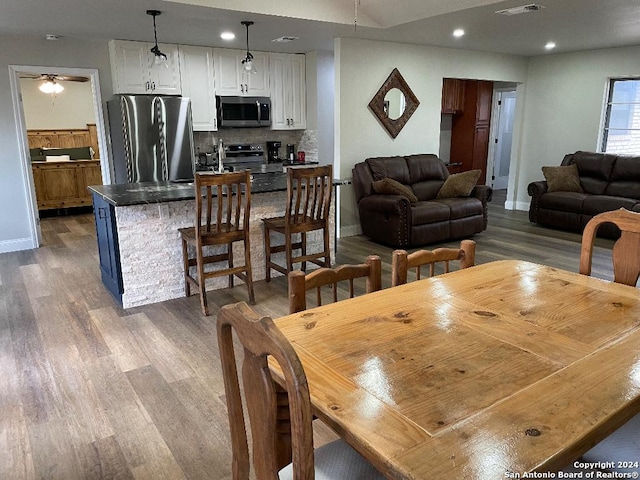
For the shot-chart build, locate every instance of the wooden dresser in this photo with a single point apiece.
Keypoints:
(64, 184)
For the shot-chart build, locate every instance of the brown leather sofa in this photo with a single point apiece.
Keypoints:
(609, 182)
(393, 220)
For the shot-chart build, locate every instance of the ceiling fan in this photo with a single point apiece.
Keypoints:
(54, 77)
(50, 81)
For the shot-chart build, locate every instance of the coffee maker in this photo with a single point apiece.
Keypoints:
(273, 152)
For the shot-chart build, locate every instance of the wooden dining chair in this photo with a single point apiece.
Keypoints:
(402, 261)
(300, 283)
(222, 218)
(626, 250)
(307, 210)
(262, 339)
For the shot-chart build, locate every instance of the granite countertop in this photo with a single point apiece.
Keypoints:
(127, 194)
(159, 192)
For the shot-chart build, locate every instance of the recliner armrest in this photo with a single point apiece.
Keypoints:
(484, 193)
(384, 203)
(535, 189)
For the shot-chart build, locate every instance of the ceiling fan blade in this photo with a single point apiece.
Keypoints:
(71, 78)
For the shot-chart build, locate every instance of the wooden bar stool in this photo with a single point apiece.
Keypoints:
(308, 202)
(222, 222)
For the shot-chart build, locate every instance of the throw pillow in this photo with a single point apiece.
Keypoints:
(389, 186)
(459, 184)
(562, 179)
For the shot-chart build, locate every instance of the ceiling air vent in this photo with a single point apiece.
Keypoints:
(284, 39)
(532, 7)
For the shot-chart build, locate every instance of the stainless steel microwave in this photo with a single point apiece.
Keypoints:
(243, 112)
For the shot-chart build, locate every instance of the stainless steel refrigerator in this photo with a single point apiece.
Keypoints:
(151, 138)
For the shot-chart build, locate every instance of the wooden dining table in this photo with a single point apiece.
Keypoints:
(484, 373)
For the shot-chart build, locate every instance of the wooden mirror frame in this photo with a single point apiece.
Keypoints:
(395, 80)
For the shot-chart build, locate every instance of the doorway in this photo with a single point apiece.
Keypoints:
(503, 113)
(18, 71)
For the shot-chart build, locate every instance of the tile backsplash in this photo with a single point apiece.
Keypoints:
(305, 140)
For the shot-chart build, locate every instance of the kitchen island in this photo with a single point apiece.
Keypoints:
(139, 243)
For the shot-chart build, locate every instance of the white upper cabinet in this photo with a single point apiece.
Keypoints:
(288, 92)
(197, 74)
(232, 79)
(134, 71)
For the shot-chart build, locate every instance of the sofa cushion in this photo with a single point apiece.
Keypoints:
(562, 179)
(595, 204)
(563, 201)
(625, 178)
(462, 207)
(391, 167)
(594, 169)
(388, 186)
(459, 184)
(626, 168)
(427, 189)
(429, 212)
(426, 167)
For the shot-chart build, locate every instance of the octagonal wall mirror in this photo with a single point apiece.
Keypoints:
(394, 103)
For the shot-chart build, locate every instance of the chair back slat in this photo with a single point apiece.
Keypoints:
(402, 261)
(261, 339)
(232, 197)
(626, 250)
(300, 283)
(309, 191)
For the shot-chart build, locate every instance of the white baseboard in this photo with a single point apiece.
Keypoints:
(15, 245)
(350, 231)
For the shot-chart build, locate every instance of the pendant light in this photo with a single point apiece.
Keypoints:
(247, 62)
(51, 86)
(159, 57)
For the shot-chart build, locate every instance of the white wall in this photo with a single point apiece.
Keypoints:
(361, 68)
(15, 230)
(72, 108)
(563, 108)
(325, 104)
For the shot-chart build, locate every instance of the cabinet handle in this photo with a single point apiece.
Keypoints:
(153, 86)
(147, 85)
(102, 213)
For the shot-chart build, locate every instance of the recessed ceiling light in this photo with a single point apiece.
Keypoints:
(458, 32)
(50, 36)
(550, 45)
(227, 35)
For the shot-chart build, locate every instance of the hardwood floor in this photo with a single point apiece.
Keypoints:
(90, 390)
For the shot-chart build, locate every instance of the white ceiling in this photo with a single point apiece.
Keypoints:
(572, 24)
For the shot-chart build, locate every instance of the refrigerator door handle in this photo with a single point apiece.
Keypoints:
(161, 115)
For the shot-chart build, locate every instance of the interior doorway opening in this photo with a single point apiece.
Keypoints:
(500, 155)
(19, 72)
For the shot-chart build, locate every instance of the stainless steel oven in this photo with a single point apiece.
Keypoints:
(243, 112)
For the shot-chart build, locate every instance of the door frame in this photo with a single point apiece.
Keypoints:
(495, 119)
(23, 142)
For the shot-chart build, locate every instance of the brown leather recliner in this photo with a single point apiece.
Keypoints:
(609, 182)
(392, 220)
